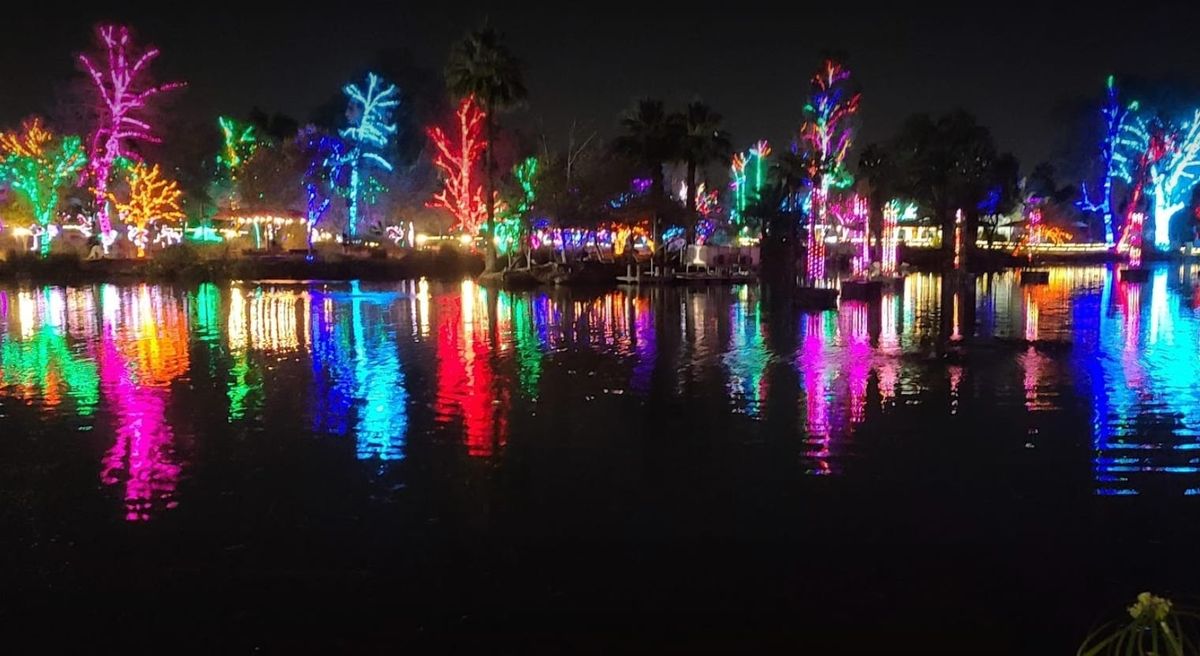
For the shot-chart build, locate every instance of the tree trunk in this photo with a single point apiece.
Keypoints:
(946, 220)
(970, 235)
(778, 252)
(488, 191)
(875, 227)
(656, 194)
(691, 201)
(691, 186)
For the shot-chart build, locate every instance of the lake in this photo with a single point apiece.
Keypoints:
(979, 467)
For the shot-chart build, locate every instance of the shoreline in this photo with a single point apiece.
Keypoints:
(188, 266)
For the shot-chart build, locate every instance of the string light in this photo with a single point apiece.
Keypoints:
(152, 199)
(122, 90)
(825, 138)
(370, 129)
(1174, 177)
(325, 157)
(36, 167)
(462, 192)
(1115, 124)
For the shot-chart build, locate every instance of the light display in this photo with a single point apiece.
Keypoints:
(852, 216)
(747, 178)
(238, 143)
(29, 142)
(120, 75)
(1134, 228)
(825, 138)
(36, 167)
(1035, 225)
(511, 228)
(1173, 177)
(370, 129)
(1143, 145)
(1115, 119)
(815, 262)
(153, 200)
(458, 159)
(958, 238)
(826, 135)
(325, 155)
(893, 212)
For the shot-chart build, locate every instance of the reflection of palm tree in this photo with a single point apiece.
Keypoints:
(703, 142)
(651, 139)
(482, 66)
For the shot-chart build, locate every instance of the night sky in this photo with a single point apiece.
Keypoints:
(1019, 67)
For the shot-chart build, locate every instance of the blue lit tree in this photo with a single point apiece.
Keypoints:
(370, 129)
(326, 156)
(1116, 122)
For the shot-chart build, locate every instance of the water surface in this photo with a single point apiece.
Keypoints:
(696, 467)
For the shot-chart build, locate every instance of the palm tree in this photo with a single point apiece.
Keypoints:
(652, 138)
(481, 65)
(703, 143)
(877, 168)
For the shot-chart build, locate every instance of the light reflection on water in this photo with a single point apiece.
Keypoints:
(381, 366)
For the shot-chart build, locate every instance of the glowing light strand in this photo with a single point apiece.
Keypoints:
(462, 191)
(825, 138)
(1115, 120)
(153, 200)
(370, 113)
(122, 91)
(326, 155)
(1174, 177)
(36, 167)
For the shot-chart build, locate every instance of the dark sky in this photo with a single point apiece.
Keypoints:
(1016, 66)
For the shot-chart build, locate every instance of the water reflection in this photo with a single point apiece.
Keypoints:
(383, 368)
(143, 349)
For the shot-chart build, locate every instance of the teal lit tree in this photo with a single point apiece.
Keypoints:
(1174, 177)
(367, 136)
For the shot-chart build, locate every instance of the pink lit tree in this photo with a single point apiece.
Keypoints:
(119, 71)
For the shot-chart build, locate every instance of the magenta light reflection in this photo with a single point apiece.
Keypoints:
(816, 394)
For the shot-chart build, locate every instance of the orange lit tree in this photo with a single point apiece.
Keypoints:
(152, 199)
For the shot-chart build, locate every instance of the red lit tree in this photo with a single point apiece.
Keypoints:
(458, 160)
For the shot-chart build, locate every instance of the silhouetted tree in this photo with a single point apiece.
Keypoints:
(703, 142)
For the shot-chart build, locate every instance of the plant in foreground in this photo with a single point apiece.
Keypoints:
(1156, 628)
